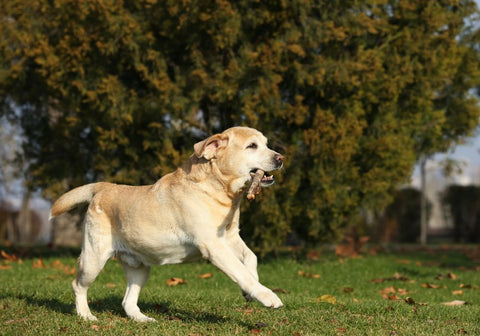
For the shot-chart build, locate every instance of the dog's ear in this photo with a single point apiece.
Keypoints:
(209, 147)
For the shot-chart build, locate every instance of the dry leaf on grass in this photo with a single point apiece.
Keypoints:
(313, 255)
(451, 276)
(175, 282)
(308, 275)
(9, 257)
(430, 285)
(390, 293)
(247, 310)
(66, 269)
(457, 292)
(327, 298)
(261, 325)
(205, 276)
(455, 303)
(409, 300)
(38, 263)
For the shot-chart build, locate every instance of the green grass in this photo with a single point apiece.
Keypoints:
(39, 300)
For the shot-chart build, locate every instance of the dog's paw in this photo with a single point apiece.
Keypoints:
(142, 318)
(269, 299)
(88, 317)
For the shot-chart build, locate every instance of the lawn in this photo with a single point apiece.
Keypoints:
(400, 293)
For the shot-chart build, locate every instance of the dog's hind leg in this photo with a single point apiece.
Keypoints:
(96, 250)
(137, 276)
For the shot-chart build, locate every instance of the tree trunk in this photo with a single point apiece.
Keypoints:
(24, 220)
(423, 202)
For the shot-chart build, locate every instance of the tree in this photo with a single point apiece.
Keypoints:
(353, 92)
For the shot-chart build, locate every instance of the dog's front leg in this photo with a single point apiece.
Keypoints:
(246, 256)
(222, 256)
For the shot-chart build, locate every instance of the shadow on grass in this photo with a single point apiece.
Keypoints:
(112, 305)
(41, 251)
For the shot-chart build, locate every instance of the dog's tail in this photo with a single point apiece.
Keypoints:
(75, 197)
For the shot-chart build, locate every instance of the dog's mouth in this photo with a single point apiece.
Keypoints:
(267, 179)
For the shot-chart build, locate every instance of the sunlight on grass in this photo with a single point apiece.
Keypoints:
(387, 294)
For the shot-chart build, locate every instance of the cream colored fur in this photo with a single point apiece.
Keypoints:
(188, 214)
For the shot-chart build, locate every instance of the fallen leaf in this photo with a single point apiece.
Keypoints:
(409, 300)
(9, 257)
(247, 311)
(110, 285)
(388, 290)
(457, 292)
(56, 264)
(279, 290)
(313, 255)
(465, 286)
(377, 280)
(38, 263)
(348, 289)
(175, 282)
(455, 303)
(430, 285)
(5, 267)
(398, 276)
(261, 325)
(451, 276)
(172, 318)
(95, 327)
(68, 270)
(327, 298)
(308, 275)
(448, 275)
(255, 331)
(390, 293)
(205, 276)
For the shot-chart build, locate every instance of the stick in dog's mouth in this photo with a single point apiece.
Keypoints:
(260, 179)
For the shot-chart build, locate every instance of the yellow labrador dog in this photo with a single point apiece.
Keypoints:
(188, 214)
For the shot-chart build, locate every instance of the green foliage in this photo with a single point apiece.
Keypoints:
(351, 91)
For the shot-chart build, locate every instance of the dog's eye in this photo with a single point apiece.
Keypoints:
(253, 145)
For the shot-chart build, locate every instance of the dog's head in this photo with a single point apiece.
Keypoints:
(238, 152)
